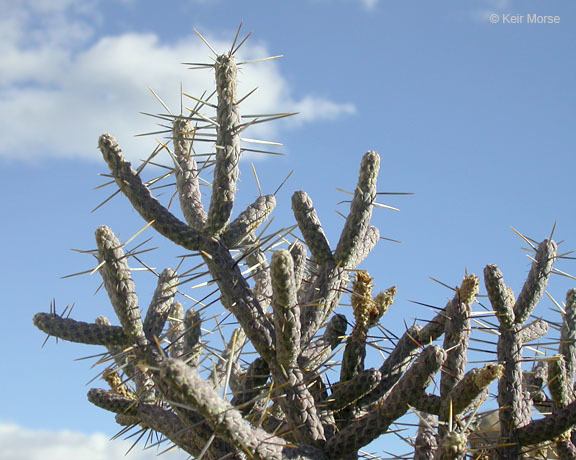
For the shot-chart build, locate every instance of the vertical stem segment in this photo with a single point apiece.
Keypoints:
(352, 237)
(187, 174)
(227, 146)
(286, 309)
(161, 304)
(536, 282)
(118, 283)
(500, 295)
(311, 228)
(297, 402)
(456, 339)
(426, 443)
(568, 336)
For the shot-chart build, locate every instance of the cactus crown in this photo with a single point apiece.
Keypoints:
(280, 404)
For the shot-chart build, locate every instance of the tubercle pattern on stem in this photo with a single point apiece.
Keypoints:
(568, 335)
(286, 309)
(177, 330)
(457, 333)
(81, 332)
(248, 220)
(227, 146)
(536, 281)
(186, 171)
(426, 444)
(118, 283)
(161, 304)
(309, 224)
(358, 220)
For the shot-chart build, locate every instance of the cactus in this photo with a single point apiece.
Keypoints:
(268, 395)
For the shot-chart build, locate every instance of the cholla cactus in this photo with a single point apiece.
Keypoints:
(280, 404)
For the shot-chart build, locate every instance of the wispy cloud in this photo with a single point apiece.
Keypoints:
(369, 4)
(484, 8)
(312, 108)
(62, 85)
(19, 443)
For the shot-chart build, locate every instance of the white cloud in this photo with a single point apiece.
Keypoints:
(56, 99)
(19, 443)
(29, 23)
(313, 108)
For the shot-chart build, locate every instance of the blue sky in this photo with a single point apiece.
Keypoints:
(475, 118)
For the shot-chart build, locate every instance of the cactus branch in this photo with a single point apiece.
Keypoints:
(533, 331)
(499, 295)
(118, 283)
(352, 237)
(370, 240)
(163, 221)
(224, 419)
(286, 309)
(81, 332)
(468, 389)
(426, 443)
(187, 174)
(352, 390)
(249, 220)
(161, 304)
(310, 226)
(177, 330)
(376, 422)
(227, 146)
(568, 335)
(536, 282)
(549, 427)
